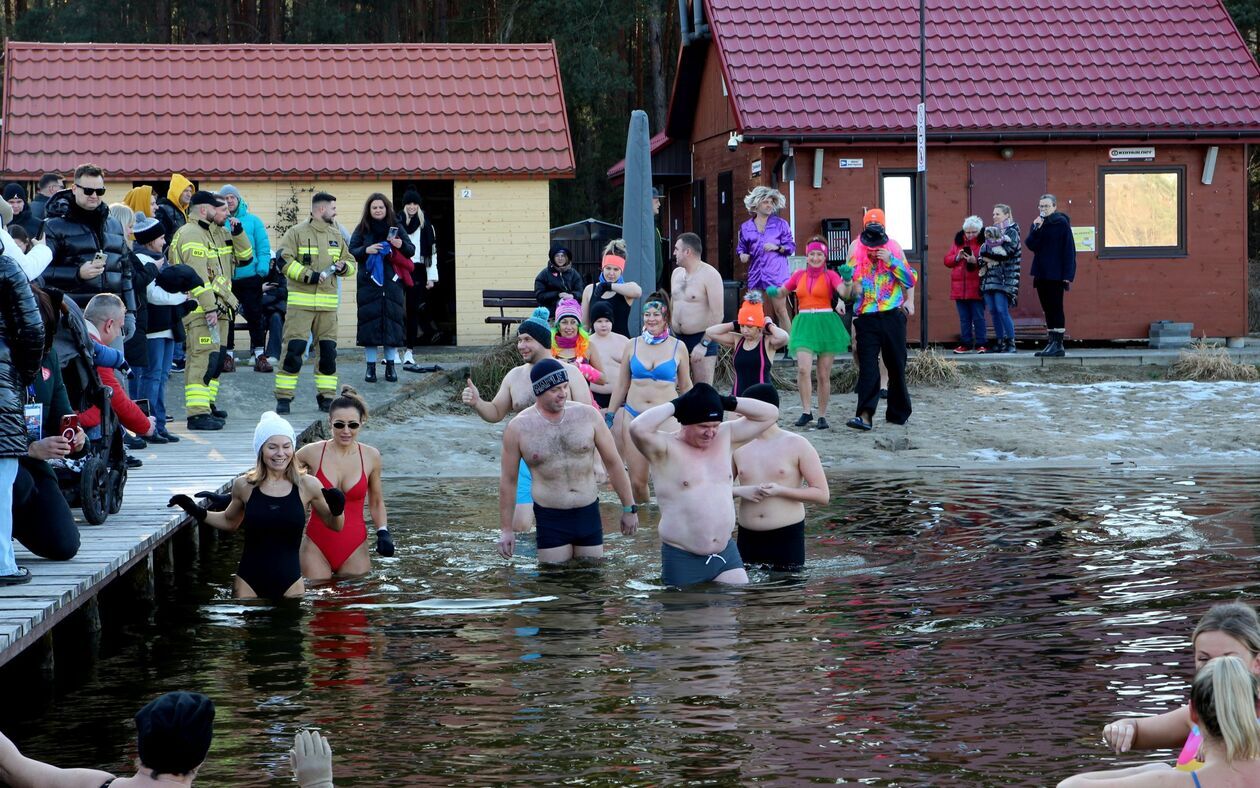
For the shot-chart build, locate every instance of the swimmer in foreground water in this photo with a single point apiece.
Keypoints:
(692, 473)
(557, 440)
(769, 472)
(533, 342)
(1231, 629)
(1223, 706)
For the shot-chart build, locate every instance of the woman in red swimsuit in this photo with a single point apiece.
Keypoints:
(345, 463)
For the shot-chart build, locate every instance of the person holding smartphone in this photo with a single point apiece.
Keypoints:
(1053, 268)
(384, 253)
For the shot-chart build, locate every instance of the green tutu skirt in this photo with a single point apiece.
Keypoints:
(819, 333)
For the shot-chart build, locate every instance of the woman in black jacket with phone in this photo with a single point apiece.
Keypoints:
(381, 278)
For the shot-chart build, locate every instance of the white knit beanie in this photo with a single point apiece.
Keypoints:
(270, 425)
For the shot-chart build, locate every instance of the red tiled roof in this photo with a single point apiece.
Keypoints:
(852, 66)
(656, 145)
(286, 111)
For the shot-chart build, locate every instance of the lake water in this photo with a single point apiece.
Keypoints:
(976, 628)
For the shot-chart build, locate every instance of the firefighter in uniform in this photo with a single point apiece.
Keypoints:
(213, 251)
(312, 253)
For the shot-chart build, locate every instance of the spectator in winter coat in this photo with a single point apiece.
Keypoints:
(42, 520)
(275, 296)
(247, 280)
(23, 217)
(104, 315)
(963, 260)
(172, 210)
(88, 247)
(1053, 268)
(49, 184)
(32, 261)
(558, 280)
(21, 348)
(164, 327)
(381, 298)
(999, 277)
(141, 200)
(425, 276)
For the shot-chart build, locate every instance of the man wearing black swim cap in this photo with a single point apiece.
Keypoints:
(533, 342)
(557, 441)
(692, 473)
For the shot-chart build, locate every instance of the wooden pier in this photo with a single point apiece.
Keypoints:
(143, 533)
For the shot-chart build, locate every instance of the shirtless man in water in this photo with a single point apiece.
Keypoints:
(533, 342)
(692, 473)
(769, 472)
(557, 440)
(695, 304)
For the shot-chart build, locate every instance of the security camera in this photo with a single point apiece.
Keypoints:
(733, 142)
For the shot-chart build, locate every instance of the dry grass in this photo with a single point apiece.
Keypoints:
(490, 367)
(930, 368)
(844, 375)
(1201, 361)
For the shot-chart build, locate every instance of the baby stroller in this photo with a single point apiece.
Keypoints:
(94, 482)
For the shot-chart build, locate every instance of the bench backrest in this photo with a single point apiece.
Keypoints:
(515, 299)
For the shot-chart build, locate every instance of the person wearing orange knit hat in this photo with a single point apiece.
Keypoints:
(755, 338)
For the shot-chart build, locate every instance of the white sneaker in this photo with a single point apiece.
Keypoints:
(408, 358)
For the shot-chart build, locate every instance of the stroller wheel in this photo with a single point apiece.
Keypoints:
(94, 491)
(117, 481)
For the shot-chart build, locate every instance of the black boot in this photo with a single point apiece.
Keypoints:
(218, 414)
(282, 406)
(1045, 351)
(1056, 350)
(323, 402)
(370, 377)
(391, 376)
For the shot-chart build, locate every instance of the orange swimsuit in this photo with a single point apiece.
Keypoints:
(337, 546)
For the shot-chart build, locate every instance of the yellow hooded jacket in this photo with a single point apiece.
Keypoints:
(310, 249)
(140, 200)
(178, 184)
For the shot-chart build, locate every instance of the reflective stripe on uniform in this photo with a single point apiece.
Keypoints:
(286, 382)
(325, 383)
(214, 390)
(301, 300)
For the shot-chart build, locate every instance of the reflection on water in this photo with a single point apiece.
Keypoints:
(938, 617)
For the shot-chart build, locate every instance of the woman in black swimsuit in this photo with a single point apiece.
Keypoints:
(754, 339)
(271, 502)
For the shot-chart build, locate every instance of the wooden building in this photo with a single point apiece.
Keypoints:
(479, 131)
(1136, 114)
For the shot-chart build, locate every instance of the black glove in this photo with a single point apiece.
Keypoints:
(601, 288)
(384, 545)
(730, 402)
(215, 502)
(190, 508)
(335, 499)
(237, 227)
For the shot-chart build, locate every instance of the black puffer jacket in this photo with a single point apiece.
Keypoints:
(21, 349)
(136, 349)
(382, 308)
(74, 236)
(170, 217)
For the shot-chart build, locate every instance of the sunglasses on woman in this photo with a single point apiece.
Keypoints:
(341, 425)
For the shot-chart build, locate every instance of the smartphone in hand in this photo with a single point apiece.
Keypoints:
(69, 425)
(393, 233)
(143, 405)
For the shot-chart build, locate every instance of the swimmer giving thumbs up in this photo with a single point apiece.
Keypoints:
(471, 395)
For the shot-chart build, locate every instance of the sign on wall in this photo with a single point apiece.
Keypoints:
(1132, 154)
(852, 164)
(1086, 239)
(756, 167)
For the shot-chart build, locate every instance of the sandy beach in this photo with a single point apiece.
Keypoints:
(1000, 416)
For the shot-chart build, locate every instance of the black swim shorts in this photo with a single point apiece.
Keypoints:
(682, 568)
(691, 340)
(579, 527)
(779, 550)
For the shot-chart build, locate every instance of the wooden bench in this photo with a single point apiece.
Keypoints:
(507, 299)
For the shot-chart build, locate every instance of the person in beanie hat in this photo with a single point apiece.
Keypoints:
(692, 472)
(558, 280)
(421, 329)
(15, 196)
(516, 393)
(566, 505)
(247, 279)
(165, 328)
(754, 338)
(572, 344)
(611, 347)
(274, 498)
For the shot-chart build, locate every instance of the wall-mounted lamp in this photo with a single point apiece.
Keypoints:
(734, 141)
(1007, 152)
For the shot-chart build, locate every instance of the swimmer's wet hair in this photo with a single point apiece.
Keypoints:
(349, 398)
(1223, 696)
(1236, 619)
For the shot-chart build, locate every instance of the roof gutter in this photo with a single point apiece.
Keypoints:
(1010, 136)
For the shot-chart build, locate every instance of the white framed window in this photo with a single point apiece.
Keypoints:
(898, 196)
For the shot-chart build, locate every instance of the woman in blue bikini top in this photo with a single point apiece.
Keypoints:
(1223, 706)
(658, 369)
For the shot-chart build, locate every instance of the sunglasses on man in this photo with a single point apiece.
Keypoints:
(90, 191)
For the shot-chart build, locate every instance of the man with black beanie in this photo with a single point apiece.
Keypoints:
(691, 470)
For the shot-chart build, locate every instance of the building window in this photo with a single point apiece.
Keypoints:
(1143, 211)
(899, 199)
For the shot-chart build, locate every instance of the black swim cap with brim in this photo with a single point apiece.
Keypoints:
(700, 405)
(546, 375)
(173, 732)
